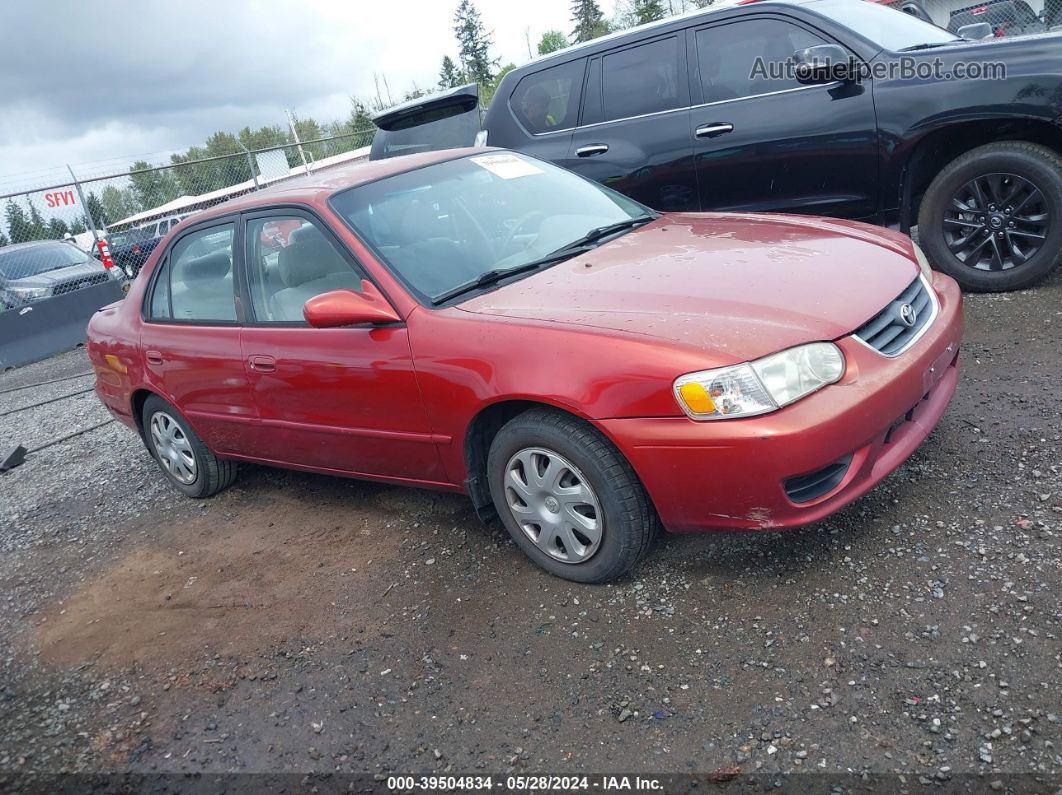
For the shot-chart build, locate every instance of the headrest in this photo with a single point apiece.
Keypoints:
(207, 270)
(308, 256)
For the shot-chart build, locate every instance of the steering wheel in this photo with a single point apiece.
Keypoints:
(521, 222)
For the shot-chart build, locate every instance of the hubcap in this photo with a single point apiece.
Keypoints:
(554, 505)
(996, 222)
(173, 448)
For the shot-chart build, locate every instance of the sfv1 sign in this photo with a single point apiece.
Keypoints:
(63, 198)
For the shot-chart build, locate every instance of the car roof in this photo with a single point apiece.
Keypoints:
(315, 188)
(34, 244)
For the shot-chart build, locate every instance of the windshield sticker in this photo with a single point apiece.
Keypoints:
(507, 166)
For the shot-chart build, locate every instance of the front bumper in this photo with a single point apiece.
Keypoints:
(731, 474)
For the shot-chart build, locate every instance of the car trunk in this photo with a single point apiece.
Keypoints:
(441, 121)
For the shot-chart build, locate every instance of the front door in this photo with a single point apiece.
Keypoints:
(340, 399)
(765, 142)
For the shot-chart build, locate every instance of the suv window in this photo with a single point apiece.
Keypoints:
(290, 260)
(727, 54)
(195, 283)
(549, 100)
(640, 80)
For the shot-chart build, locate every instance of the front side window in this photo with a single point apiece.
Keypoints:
(447, 224)
(289, 261)
(642, 79)
(196, 283)
(886, 27)
(747, 58)
(549, 100)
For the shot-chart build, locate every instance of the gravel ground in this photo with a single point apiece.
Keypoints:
(301, 624)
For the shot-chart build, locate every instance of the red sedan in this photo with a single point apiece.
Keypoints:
(480, 321)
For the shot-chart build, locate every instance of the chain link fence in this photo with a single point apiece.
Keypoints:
(50, 234)
(1004, 17)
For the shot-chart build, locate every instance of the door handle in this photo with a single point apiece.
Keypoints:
(591, 149)
(263, 364)
(712, 130)
(153, 357)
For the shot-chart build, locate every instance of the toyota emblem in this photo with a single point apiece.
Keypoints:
(908, 316)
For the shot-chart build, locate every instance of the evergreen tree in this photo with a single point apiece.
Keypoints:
(17, 224)
(3, 240)
(474, 41)
(449, 75)
(551, 41)
(360, 122)
(38, 229)
(96, 212)
(57, 228)
(589, 21)
(118, 203)
(647, 11)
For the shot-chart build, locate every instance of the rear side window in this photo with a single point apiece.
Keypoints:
(642, 79)
(727, 57)
(196, 283)
(549, 100)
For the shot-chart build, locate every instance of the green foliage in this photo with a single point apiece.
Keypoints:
(551, 41)
(57, 228)
(152, 186)
(474, 41)
(449, 75)
(486, 92)
(18, 224)
(95, 211)
(361, 122)
(589, 21)
(648, 11)
(3, 240)
(118, 203)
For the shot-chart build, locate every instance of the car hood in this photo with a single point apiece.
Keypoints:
(733, 286)
(52, 278)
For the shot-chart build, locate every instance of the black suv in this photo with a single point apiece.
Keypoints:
(696, 112)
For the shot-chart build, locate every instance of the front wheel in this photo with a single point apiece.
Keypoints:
(568, 498)
(992, 218)
(186, 462)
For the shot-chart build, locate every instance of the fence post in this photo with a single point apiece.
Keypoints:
(250, 164)
(298, 143)
(88, 210)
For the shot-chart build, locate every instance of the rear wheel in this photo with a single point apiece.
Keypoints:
(181, 455)
(568, 498)
(992, 218)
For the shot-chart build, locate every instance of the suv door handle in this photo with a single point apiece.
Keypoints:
(712, 130)
(263, 364)
(153, 357)
(591, 149)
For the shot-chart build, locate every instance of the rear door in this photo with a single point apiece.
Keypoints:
(340, 399)
(190, 338)
(765, 142)
(634, 132)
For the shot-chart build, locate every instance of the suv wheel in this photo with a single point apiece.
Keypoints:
(181, 455)
(992, 218)
(568, 498)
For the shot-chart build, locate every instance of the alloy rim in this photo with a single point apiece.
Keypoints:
(173, 448)
(996, 222)
(554, 505)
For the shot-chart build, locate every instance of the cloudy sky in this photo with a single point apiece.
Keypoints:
(98, 84)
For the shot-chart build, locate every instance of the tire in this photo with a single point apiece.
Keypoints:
(196, 472)
(615, 499)
(998, 168)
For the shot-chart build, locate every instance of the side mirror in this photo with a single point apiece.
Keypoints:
(348, 308)
(975, 32)
(824, 63)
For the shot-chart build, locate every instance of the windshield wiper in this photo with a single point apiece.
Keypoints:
(601, 232)
(928, 46)
(497, 274)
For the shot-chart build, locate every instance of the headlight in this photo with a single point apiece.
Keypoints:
(30, 293)
(760, 386)
(923, 263)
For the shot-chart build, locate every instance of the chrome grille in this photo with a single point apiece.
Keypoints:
(896, 327)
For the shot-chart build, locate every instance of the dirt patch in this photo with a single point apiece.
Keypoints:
(230, 585)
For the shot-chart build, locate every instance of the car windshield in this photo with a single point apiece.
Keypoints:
(128, 237)
(449, 224)
(887, 27)
(18, 263)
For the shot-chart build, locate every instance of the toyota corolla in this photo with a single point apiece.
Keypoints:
(483, 322)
